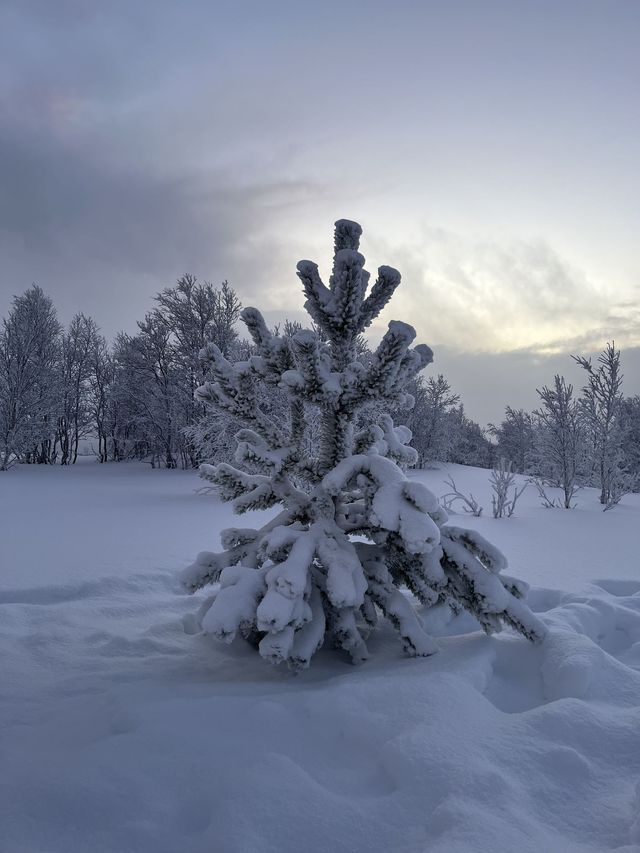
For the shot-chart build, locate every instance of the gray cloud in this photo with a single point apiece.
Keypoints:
(103, 238)
(125, 162)
(142, 140)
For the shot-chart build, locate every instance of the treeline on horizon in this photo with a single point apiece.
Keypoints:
(133, 398)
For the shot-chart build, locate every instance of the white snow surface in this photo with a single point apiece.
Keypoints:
(121, 732)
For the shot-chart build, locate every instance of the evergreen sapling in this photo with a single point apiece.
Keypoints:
(353, 540)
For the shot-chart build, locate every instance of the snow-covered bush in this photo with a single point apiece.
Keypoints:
(503, 481)
(468, 501)
(351, 534)
(541, 487)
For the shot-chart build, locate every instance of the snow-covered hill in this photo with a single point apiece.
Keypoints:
(122, 732)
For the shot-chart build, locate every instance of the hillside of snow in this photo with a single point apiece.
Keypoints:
(121, 732)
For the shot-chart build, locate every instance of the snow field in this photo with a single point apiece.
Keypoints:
(123, 732)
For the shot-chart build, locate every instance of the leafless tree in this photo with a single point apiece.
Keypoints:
(101, 380)
(151, 385)
(559, 436)
(77, 363)
(601, 407)
(432, 419)
(195, 313)
(29, 347)
(515, 438)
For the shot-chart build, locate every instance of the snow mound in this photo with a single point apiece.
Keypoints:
(120, 732)
(118, 736)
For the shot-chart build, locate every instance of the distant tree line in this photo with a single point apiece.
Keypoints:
(589, 438)
(134, 398)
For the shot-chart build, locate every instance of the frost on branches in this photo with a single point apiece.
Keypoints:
(352, 535)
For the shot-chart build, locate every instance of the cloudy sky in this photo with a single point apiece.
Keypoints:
(489, 150)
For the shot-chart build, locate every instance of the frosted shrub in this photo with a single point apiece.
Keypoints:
(504, 491)
(350, 535)
(469, 502)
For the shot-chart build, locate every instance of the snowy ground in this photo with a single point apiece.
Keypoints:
(121, 733)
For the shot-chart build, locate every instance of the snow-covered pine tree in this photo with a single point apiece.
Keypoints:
(352, 536)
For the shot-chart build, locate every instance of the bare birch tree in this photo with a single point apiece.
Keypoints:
(559, 436)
